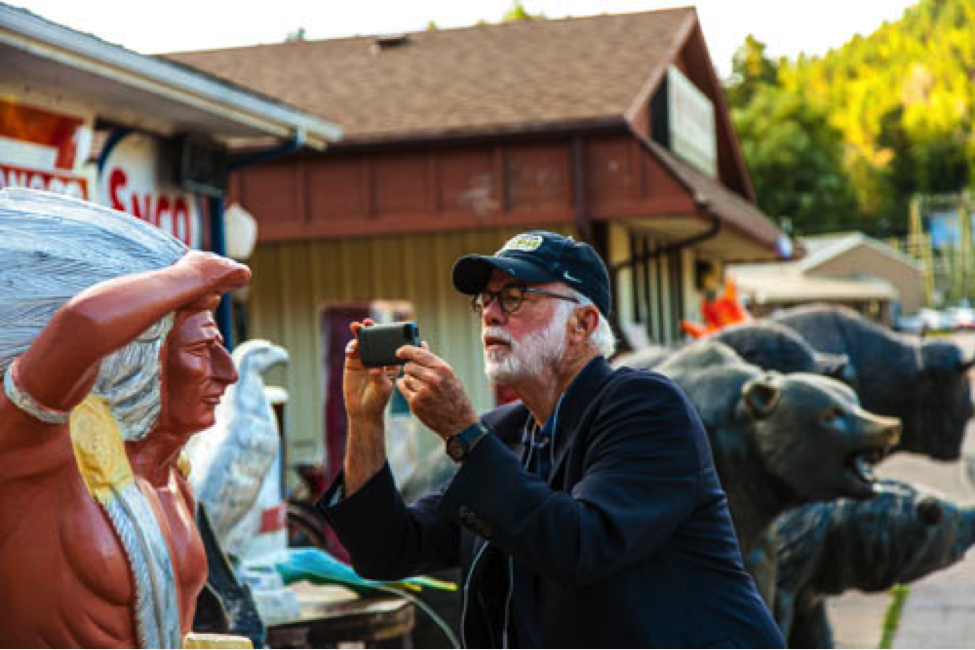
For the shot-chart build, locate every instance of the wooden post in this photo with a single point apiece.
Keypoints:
(963, 264)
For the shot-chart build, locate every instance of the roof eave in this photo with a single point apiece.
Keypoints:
(688, 29)
(41, 38)
(850, 242)
(764, 233)
(482, 132)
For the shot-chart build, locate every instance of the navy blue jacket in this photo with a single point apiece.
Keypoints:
(631, 536)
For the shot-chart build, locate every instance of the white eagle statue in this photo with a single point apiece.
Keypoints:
(236, 464)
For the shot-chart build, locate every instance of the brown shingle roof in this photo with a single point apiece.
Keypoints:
(473, 80)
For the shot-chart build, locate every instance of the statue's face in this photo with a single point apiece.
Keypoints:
(198, 370)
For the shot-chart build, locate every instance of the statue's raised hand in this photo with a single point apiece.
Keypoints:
(111, 314)
(221, 274)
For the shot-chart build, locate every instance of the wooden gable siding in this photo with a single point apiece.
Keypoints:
(455, 188)
(695, 64)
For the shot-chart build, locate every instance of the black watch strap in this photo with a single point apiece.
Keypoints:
(459, 445)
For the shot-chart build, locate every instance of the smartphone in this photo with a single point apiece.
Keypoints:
(378, 343)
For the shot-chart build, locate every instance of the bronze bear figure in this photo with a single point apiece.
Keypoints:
(824, 549)
(923, 383)
(779, 440)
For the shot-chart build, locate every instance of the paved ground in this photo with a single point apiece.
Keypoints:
(940, 609)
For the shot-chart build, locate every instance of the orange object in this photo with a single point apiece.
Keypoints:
(719, 313)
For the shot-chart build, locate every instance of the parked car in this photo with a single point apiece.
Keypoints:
(909, 324)
(926, 320)
(963, 318)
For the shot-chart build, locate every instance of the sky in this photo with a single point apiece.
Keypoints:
(788, 27)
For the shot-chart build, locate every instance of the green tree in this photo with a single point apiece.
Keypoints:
(750, 70)
(903, 100)
(933, 163)
(297, 35)
(518, 12)
(900, 103)
(795, 159)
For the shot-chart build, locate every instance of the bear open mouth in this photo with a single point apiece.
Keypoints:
(860, 464)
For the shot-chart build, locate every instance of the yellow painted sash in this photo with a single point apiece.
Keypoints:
(99, 449)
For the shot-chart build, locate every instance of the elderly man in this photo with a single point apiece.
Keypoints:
(587, 515)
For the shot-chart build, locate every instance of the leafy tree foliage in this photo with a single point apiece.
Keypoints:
(796, 161)
(518, 12)
(297, 35)
(751, 70)
(900, 103)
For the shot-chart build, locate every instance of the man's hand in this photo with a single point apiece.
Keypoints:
(434, 392)
(366, 390)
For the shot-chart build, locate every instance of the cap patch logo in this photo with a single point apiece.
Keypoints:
(525, 243)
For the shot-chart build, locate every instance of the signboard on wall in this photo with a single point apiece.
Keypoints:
(945, 227)
(51, 181)
(684, 122)
(135, 177)
(43, 149)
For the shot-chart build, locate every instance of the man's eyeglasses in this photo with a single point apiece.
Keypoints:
(511, 297)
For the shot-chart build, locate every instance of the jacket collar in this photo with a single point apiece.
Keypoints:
(509, 420)
(583, 387)
(578, 397)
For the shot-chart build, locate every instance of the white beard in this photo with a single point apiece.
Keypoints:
(528, 357)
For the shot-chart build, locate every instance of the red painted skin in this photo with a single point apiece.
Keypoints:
(64, 578)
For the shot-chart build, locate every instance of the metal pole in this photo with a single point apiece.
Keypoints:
(218, 231)
(218, 244)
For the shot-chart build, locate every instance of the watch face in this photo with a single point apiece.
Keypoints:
(456, 449)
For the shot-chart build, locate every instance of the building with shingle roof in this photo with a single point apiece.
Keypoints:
(519, 76)
(612, 128)
(847, 268)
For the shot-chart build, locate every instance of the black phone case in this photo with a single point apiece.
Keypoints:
(378, 343)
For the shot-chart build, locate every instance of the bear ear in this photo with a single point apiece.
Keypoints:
(761, 397)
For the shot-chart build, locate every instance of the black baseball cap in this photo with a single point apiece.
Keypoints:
(540, 256)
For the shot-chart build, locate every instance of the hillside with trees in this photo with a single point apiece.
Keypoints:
(843, 141)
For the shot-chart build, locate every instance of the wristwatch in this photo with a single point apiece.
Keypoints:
(459, 445)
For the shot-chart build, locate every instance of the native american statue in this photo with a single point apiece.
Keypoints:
(111, 360)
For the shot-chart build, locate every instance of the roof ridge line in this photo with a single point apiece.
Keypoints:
(486, 25)
(657, 70)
